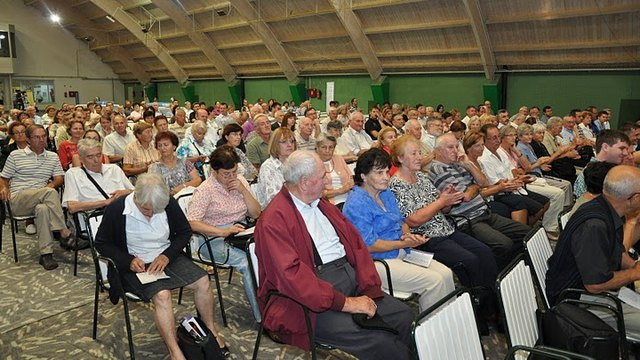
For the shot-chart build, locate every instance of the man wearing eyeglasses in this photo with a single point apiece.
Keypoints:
(25, 183)
(590, 253)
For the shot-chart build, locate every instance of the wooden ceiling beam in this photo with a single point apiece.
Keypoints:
(600, 44)
(482, 37)
(447, 24)
(429, 52)
(352, 24)
(564, 14)
(262, 29)
(192, 27)
(115, 10)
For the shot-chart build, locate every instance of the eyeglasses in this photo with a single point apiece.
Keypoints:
(228, 174)
(632, 195)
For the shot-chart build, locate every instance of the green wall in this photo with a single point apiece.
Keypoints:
(562, 90)
(345, 88)
(276, 88)
(565, 91)
(452, 91)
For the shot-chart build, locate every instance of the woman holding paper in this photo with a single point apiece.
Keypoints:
(218, 207)
(422, 207)
(144, 233)
(374, 211)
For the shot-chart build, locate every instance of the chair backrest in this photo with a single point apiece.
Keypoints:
(183, 201)
(518, 303)
(538, 252)
(206, 169)
(564, 219)
(93, 222)
(253, 262)
(448, 330)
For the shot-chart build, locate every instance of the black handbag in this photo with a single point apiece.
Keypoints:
(206, 349)
(570, 327)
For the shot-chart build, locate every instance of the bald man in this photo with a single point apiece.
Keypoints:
(590, 253)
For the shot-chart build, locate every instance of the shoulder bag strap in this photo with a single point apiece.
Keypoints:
(93, 181)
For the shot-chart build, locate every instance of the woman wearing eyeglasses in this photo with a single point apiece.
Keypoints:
(270, 178)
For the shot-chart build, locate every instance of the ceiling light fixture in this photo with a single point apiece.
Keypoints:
(55, 18)
(110, 18)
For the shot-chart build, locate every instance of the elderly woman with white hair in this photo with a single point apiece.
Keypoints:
(196, 147)
(145, 232)
(339, 174)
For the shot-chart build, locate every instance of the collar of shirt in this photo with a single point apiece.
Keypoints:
(302, 206)
(28, 151)
(93, 172)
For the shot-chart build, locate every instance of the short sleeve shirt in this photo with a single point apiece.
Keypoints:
(28, 170)
(413, 197)
(215, 206)
(78, 187)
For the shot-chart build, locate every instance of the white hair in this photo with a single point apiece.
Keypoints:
(620, 186)
(85, 145)
(151, 190)
(300, 163)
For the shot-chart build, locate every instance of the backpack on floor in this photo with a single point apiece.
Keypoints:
(570, 327)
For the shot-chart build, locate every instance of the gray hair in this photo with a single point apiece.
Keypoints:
(181, 109)
(620, 182)
(506, 130)
(151, 190)
(334, 124)
(85, 145)
(198, 125)
(553, 122)
(525, 128)
(440, 140)
(323, 137)
(539, 127)
(300, 163)
(353, 115)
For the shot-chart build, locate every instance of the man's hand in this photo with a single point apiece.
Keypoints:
(450, 196)
(158, 264)
(5, 195)
(118, 193)
(137, 265)
(360, 305)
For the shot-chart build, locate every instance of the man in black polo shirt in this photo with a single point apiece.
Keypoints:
(590, 254)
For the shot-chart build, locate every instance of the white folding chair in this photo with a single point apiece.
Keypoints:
(448, 330)
(518, 299)
(538, 251)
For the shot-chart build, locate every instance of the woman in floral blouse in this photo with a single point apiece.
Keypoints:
(270, 178)
(177, 173)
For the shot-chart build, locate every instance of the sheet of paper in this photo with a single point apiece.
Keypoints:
(248, 231)
(146, 277)
(629, 297)
(420, 258)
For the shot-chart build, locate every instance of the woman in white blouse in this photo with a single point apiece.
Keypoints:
(270, 178)
(339, 174)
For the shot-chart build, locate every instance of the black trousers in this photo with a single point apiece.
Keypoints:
(338, 329)
(504, 236)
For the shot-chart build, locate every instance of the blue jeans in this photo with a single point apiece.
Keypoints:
(238, 259)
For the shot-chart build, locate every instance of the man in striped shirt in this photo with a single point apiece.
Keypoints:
(504, 236)
(29, 181)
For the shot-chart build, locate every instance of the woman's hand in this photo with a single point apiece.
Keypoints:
(158, 264)
(450, 196)
(413, 240)
(233, 229)
(137, 265)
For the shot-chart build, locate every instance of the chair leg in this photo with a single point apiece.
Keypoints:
(95, 311)
(127, 322)
(75, 260)
(217, 280)
(180, 296)
(14, 226)
(257, 344)
(230, 275)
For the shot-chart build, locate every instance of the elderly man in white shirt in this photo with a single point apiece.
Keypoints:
(117, 141)
(80, 193)
(212, 126)
(355, 138)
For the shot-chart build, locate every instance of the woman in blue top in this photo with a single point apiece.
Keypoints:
(373, 210)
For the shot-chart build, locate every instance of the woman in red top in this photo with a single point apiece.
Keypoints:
(386, 137)
(69, 147)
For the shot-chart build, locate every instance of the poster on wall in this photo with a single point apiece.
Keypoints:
(329, 93)
(34, 92)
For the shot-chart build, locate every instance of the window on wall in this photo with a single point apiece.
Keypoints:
(35, 92)
(4, 44)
